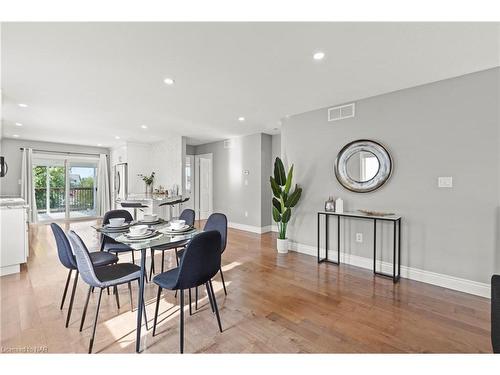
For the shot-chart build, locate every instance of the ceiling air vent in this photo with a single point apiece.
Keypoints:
(341, 112)
(228, 143)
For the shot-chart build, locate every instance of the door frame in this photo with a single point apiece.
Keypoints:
(197, 191)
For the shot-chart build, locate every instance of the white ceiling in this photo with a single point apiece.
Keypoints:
(87, 82)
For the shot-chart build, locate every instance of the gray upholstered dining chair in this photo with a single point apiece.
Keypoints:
(101, 277)
(67, 259)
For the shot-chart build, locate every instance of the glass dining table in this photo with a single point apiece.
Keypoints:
(163, 238)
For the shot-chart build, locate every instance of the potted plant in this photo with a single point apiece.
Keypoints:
(283, 201)
(148, 180)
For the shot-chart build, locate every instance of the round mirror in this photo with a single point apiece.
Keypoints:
(363, 166)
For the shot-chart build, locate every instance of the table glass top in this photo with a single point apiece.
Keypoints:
(164, 237)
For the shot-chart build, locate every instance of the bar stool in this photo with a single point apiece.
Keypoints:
(135, 206)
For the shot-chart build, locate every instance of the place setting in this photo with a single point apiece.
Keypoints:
(116, 225)
(151, 219)
(139, 233)
(177, 227)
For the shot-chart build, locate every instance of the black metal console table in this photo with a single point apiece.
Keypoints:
(396, 259)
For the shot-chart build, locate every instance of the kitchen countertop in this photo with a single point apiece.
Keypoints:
(12, 202)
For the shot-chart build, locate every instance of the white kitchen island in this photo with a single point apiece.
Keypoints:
(14, 246)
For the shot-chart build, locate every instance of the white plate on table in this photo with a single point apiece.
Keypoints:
(185, 228)
(149, 233)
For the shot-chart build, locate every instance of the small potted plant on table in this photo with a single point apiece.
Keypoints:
(148, 180)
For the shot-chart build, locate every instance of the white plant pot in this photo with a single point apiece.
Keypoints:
(282, 245)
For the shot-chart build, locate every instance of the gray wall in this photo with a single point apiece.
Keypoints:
(266, 171)
(9, 185)
(231, 195)
(448, 128)
(190, 150)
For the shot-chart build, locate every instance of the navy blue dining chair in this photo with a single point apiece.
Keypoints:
(199, 264)
(188, 215)
(109, 244)
(101, 277)
(218, 222)
(67, 259)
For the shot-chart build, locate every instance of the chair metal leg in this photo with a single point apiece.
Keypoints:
(85, 308)
(72, 298)
(176, 257)
(95, 321)
(130, 293)
(215, 305)
(223, 283)
(181, 333)
(152, 269)
(133, 257)
(156, 309)
(190, 304)
(117, 298)
(66, 288)
(196, 298)
(107, 290)
(210, 298)
(162, 260)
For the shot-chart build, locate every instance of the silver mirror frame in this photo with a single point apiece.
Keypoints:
(384, 171)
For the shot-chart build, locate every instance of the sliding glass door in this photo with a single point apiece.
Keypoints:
(82, 190)
(65, 187)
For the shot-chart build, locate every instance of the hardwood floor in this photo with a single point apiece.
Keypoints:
(275, 304)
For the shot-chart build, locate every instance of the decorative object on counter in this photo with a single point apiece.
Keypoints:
(330, 205)
(363, 166)
(339, 205)
(283, 201)
(149, 180)
(376, 213)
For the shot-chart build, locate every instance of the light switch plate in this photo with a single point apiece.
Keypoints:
(445, 182)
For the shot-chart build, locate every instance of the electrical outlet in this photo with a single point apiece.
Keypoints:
(445, 182)
(246, 213)
(359, 237)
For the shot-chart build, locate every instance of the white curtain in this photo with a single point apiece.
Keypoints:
(27, 186)
(103, 201)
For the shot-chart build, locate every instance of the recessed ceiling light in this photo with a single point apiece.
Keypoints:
(22, 105)
(99, 144)
(241, 119)
(15, 135)
(19, 124)
(169, 81)
(319, 55)
(117, 137)
(144, 126)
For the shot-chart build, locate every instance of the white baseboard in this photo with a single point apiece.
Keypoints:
(249, 228)
(274, 228)
(445, 281)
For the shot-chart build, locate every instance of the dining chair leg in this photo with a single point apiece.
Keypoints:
(117, 298)
(196, 298)
(133, 257)
(181, 333)
(152, 269)
(176, 257)
(130, 293)
(107, 290)
(223, 283)
(72, 298)
(158, 295)
(190, 304)
(95, 321)
(66, 288)
(215, 305)
(85, 308)
(162, 260)
(210, 298)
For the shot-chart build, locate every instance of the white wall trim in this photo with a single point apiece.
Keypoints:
(445, 281)
(249, 228)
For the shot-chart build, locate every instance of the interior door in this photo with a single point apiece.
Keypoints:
(203, 186)
(189, 183)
